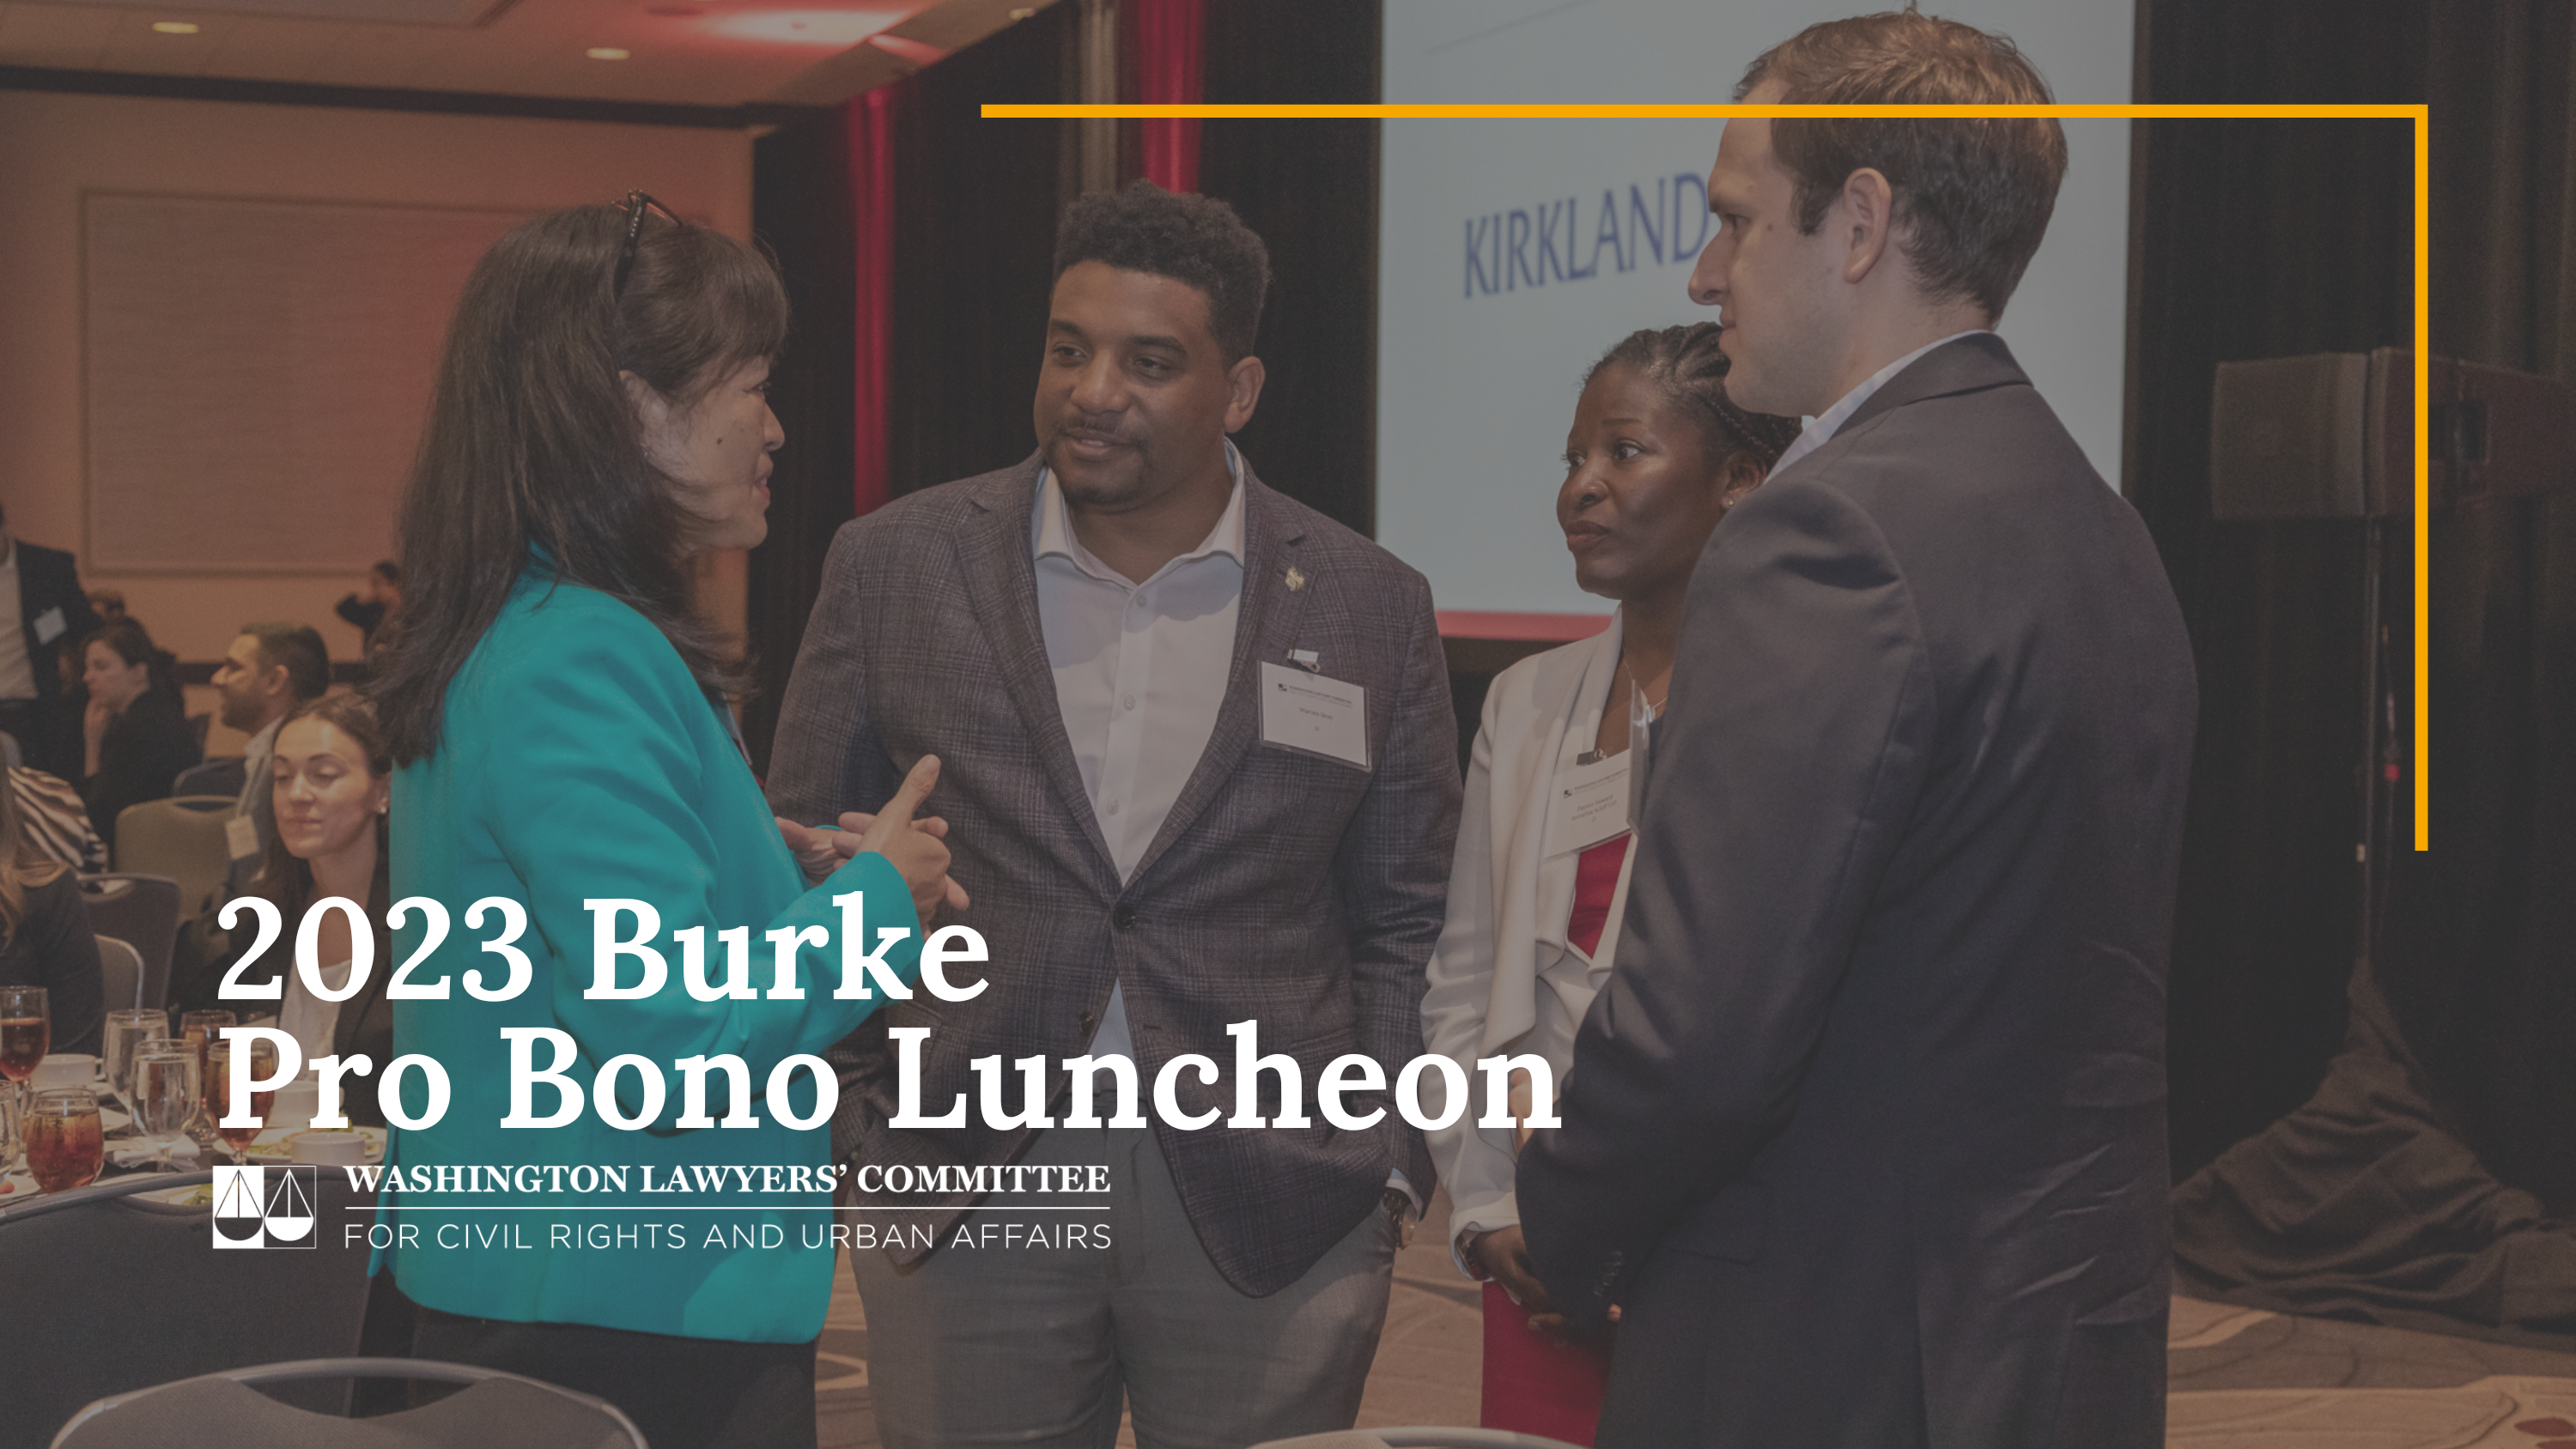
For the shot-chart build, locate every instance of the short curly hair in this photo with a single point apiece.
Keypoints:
(1192, 239)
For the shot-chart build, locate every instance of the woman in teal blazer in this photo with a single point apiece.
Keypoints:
(556, 710)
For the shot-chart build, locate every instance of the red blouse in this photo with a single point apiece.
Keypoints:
(1596, 881)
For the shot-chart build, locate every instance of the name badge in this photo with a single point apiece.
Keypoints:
(1588, 804)
(50, 625)
(241, 836)
(1314, 715)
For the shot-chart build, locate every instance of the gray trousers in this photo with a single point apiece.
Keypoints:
(1003, 1343)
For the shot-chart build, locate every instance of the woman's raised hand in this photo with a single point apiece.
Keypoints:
(914, 847)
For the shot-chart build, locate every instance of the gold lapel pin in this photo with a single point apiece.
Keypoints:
(1296, 578)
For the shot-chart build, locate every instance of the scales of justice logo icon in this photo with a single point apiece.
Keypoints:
(266, 1207)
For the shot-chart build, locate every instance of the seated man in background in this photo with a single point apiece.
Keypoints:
(43, 615)
(268, 671)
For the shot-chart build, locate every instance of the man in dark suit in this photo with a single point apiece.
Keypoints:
(53, 614)
(1865, 1135)
(1094, 643)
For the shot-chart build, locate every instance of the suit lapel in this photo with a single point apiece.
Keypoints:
(993, 556)
(1265, 627)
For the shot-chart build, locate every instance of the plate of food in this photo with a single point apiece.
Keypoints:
(277, 1144)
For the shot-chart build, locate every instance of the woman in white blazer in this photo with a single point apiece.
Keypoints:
(1655, 457)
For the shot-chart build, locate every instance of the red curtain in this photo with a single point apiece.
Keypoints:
(872, 119)
(1166, 43)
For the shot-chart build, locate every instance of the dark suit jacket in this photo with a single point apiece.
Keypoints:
(1300, 892)
(1866, 1131)
(47, 579)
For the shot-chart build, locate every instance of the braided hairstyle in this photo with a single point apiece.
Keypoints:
(1685, 365)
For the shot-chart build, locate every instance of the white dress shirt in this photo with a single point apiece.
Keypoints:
(308, 1018)
(1830, 421)
(1140, 671)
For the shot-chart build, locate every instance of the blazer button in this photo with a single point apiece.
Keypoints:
(1087, 1021)
(1124, 918)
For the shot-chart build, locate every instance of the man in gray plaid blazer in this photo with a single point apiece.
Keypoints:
(1085, 641)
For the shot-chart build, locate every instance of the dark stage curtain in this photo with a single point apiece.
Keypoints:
(2269, 238)
(2263, 239)
(975, 209)
(801, 207)
(973, 225)
(1310, 189)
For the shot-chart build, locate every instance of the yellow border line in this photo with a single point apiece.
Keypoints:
(2420, 115)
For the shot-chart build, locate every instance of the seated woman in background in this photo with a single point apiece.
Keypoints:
(45, 938)
(135, 740)
(333, 778)
(1656, 456)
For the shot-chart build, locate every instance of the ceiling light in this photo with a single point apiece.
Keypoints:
(605, 52)
(1024, 12)
(911, 50)
(839, 29)
(175, 27)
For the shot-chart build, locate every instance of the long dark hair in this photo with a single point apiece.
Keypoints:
(532, 443)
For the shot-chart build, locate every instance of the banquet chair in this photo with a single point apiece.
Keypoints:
(495, 1410)
(181, 837)
(118, 1290)
(120, 970)
(222, 775)
(143, 912)
(10, 752)
(1418, 1437)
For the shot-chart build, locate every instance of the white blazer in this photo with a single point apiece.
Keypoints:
(1504, 941)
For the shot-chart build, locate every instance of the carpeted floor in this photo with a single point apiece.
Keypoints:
(2241, 1378)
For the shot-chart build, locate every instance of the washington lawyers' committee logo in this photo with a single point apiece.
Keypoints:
(266, 1207)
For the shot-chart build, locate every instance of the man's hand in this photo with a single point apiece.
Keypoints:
(910, 846)
(820, 851)
(813, 848)
(1504, 1253)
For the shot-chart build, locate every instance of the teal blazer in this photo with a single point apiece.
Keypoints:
(578, 759)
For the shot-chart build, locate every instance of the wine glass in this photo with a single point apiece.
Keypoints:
(165, 1094)
(26, 1030)
(219, 1090)
(8, 1123)
(65, 1149)
(197, 1028)
(125, 1031)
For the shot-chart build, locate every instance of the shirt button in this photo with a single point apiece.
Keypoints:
(1128, 703)
(1113, 807)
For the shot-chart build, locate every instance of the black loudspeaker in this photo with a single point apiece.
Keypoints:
(2332, 435)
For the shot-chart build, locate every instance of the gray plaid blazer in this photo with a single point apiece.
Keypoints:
(1300, 892)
